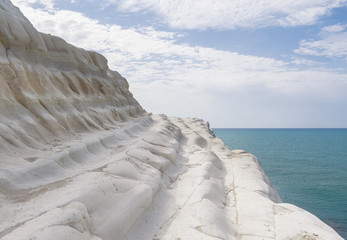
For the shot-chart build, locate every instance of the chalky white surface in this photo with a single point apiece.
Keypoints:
(80, 158)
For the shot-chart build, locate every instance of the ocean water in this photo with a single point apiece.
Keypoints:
(308, 167)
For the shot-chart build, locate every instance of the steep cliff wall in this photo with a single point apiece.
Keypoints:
(50, 89)
(80, 159)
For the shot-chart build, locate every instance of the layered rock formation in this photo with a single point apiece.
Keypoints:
(81, 159)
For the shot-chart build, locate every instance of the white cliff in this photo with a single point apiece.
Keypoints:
(81, 159)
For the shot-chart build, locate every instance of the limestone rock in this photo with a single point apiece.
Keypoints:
(80, 158)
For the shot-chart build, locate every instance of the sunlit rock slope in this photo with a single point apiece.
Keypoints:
(81, 159)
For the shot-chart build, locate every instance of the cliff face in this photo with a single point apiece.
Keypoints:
(80, 158)
(50, 89)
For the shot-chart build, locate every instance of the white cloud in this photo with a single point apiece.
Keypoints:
(332, 43)
(184, 80)
(303, 61)
(231, 14)
(47, 4)
(334, 28)
(132, 49)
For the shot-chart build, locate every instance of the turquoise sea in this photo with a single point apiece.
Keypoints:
(308, 167)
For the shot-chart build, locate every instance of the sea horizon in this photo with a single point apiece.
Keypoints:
(342, 128)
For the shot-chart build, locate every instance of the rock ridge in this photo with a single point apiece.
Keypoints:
(51, 90)
(81, 159)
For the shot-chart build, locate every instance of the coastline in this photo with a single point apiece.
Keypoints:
(307, 167)
(81, 159)
(169, 169)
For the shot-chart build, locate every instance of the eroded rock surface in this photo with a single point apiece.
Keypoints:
(81, 159)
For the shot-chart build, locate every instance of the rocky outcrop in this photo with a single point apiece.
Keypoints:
(80, 158)
(52, 90)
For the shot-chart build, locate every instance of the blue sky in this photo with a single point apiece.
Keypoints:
(235, 63)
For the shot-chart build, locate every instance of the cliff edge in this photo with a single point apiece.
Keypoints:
(81, 159)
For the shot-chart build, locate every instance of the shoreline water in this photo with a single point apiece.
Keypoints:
(306, 165)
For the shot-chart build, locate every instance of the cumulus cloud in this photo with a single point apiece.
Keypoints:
(232, 14)
(332, 43)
